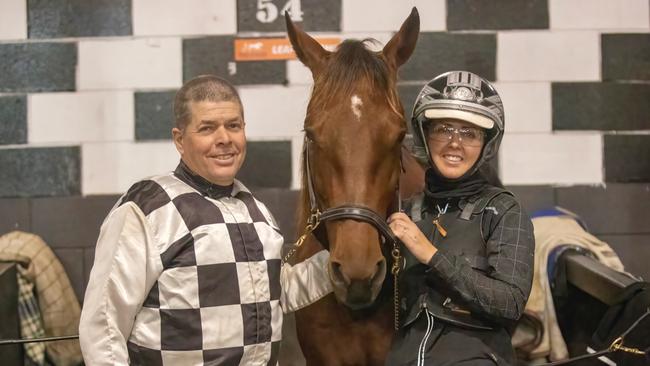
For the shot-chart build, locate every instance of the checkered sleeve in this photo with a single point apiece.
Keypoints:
(501, 292)
(116, 287)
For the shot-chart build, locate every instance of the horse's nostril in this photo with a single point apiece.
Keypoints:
(337, 273)
(381, 271)
(381, 265)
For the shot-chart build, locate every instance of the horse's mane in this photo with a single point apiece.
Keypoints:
(350, 66)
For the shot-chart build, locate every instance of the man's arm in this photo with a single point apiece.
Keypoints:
(304, 283)
(116, 288)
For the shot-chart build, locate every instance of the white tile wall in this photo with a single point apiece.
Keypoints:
(388, 15)
(13, 19)
(132, 63)
(173, 17)
(296, 160)
(568, 158)
(607, 15)
(548, 56)
(80, 117)
(114, 166)
(528, 106)
(299, 74)
(274, 111)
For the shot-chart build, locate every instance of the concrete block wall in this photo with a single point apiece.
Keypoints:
(86, 91)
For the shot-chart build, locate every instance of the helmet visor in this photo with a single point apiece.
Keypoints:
(473, 118)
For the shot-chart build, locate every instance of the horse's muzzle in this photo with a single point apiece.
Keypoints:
(357, 293)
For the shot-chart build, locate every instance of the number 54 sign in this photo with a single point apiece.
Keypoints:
(267, 11)
(268, 15)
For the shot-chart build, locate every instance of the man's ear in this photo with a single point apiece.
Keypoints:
(177, 136)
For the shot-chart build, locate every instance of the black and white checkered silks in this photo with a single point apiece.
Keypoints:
(216, 299)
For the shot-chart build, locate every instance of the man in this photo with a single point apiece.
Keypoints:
(187, 267)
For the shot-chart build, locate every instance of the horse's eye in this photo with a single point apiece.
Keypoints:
(309, 133)
(401, 135)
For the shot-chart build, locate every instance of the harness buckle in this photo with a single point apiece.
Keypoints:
(314, 220)
(395, 253)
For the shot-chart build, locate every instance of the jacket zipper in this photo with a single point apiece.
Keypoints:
(427, 334)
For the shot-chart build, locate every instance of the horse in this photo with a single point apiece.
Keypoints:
(352, 161)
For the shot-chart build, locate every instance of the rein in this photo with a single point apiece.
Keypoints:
(616, 345)
(349, 211)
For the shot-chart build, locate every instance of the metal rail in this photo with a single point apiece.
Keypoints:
(595, 278)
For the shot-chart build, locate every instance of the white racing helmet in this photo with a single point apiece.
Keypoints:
(464, 96)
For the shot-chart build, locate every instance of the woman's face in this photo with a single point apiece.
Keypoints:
(454, 145)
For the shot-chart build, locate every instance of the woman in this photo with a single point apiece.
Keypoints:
(469, 263)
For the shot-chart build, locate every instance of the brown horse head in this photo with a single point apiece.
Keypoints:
(354, 128)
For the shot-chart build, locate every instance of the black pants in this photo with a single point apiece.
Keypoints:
(429, 341)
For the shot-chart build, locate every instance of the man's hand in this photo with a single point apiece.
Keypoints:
(412, 237)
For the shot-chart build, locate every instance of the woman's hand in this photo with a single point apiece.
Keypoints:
(412, 237)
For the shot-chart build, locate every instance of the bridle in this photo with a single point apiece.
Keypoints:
(348, 211)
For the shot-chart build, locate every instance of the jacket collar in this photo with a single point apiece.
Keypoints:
(205, 187)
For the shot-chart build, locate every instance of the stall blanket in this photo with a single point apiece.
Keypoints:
(552, 231)
(42, 279)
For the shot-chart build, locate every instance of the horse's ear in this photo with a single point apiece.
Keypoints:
(308, 50)
(401, 46)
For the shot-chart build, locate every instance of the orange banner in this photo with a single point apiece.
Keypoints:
(260, 49)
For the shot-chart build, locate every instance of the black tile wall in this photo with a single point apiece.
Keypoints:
(14, 215)
(438, 52)
(601, 106)
(214, 55)
(78, 18)
(287, 213)
(13, 120)
(616, 209)
(74, 268)
(290, 352)
(30, 172)
(154, 115)
(11, 327)
(271, 167)
(633, 250)
(81, 215)
(502, 14)
(283, 205)
(625, 56)
(627, 158)
(269, 196)
(534, 198)
(407, 94)
(34, 67)
(89, 258)
(268, 16)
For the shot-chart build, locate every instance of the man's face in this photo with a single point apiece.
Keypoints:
(213, 144)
